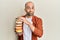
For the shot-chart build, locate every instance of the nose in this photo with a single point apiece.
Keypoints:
(31, 9)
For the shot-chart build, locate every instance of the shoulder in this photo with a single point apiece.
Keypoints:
(38, 18)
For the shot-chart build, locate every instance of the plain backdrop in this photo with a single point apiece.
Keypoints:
(48, 10)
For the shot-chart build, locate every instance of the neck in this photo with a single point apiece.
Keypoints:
(28, 16)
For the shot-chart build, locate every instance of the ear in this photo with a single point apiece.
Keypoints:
(25, 9)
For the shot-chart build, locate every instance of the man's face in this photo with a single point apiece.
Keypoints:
(29, 8)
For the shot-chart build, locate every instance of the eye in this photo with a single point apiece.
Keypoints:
(32, 7)
(28, 7)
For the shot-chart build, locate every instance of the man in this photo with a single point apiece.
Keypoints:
(32, 25)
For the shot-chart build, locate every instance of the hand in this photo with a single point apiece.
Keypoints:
(24, 20)
(28, 23)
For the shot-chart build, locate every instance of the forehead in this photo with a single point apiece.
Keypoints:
(29, 4)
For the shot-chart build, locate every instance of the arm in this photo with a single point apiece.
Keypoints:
(38, 30)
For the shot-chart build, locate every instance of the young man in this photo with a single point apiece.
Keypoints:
(32, 25)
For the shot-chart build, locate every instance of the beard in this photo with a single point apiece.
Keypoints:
(30, 14)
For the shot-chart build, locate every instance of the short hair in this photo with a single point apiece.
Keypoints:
(28, 2)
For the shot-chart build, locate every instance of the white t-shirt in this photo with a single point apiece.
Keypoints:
(27, 33)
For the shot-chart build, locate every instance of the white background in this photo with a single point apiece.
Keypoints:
(48, 10)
